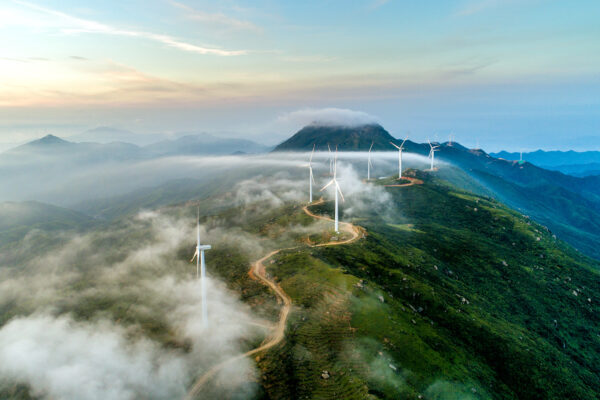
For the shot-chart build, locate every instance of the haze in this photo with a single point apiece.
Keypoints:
(506, 73)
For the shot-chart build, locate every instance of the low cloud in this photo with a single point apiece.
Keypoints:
(61, 358)
(324, 116)
(82, 309)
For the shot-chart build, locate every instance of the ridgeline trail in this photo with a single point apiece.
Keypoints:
(258, 271)
(413, 181)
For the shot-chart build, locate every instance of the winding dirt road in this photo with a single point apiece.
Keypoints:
(258, 271)
(413, 181)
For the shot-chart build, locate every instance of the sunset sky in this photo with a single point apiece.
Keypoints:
(509, 73)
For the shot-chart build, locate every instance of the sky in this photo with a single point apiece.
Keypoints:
(509, 74)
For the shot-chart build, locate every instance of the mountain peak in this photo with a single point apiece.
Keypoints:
(346, 138)
(48, 140)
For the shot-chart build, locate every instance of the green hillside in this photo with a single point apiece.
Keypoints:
(450, 296)
(19, 218)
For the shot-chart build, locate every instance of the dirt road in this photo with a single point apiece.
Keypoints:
(413, 181)
(258, 271)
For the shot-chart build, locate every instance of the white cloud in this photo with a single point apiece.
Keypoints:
(323, 116)
(64, 359)
(59, 357)
(218, 19)
(70, 24)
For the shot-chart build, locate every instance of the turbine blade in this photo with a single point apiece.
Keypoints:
(337, 186)
(393, 144)
(329, 184)
(311, 154)
(402, 145)
(372, 143)
(335, 162)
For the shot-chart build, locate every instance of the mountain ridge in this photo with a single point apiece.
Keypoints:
(346, 138)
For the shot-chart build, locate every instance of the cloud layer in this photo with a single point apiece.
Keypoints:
(325, 116)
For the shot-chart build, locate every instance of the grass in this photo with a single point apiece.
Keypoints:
(469, 303)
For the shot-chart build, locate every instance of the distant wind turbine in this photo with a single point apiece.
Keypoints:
(400, 149)
(432, 153)
(369, 163)
(201, 269)
(337, 189)
(311, 178)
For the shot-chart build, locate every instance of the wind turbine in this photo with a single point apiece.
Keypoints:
(369, 163)
(400, 149)
(311, 179)
(432, 152)
(201, 268)
(337, 189)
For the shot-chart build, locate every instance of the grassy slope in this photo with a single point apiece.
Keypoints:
(475, 306)
(19, 218)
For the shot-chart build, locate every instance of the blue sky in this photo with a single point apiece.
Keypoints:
(509, 73)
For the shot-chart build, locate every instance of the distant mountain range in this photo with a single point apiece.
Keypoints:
(204, 144)
(105, 134)
(570, 162)
(201, 144)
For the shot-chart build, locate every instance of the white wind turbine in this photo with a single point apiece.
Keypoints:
(400, 149)
(432, 153)
(311, 178)
(337, 189)
(369, 163)
(201, 269)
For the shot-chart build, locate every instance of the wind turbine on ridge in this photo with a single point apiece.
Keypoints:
(432, 152)
(400, 149)
(311, 178)
(337, 189)
(201, 269)
(369, 163)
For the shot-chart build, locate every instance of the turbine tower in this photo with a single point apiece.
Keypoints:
(400, 149)
(369, 163)
(201, 269)
(311, 178)
(337, 189)
(432, 153)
